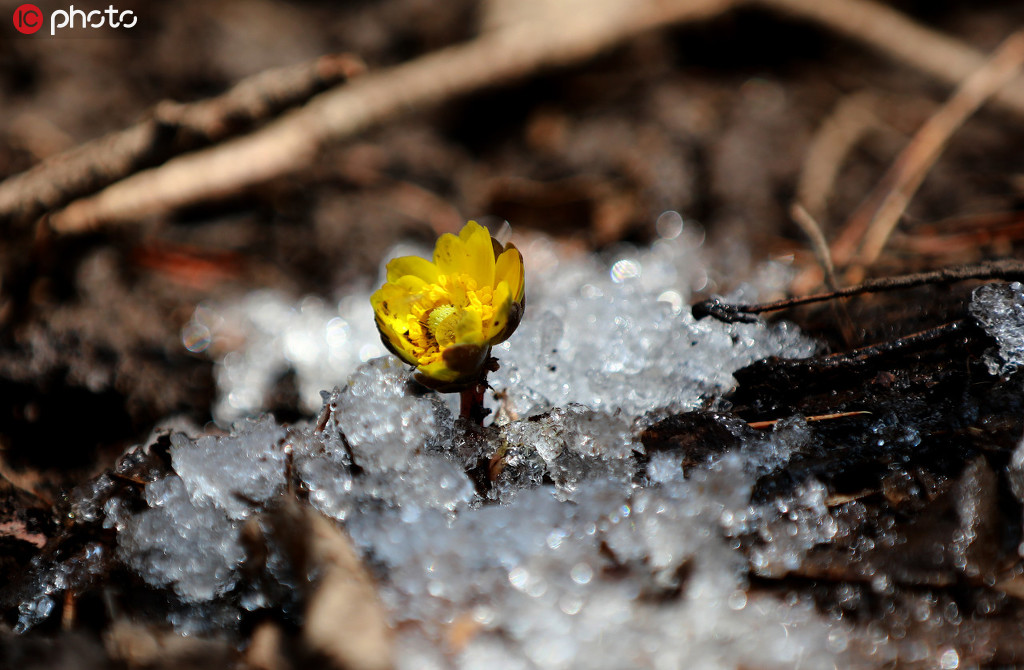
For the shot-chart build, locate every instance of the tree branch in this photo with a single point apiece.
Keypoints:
(170, 129)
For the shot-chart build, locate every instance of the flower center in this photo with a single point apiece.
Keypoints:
(433, 320)
(442, 322)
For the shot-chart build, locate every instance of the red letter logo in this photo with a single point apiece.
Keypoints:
(28, 19)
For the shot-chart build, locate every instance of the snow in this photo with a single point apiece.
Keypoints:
(999, 309)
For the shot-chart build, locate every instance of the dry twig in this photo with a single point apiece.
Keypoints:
(851, 119)
(816, 237)
(965, 237)
(346, 593)
(893, 33)
(760, 425)
(914, 162)
(1005, 269)
(171, 128)
(820, 248)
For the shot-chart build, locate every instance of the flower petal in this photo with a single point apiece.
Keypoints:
(469, 329)
(386, 326)
(413, 266)
(395, 344)
(395, 300)
(478, 243)
(438, 371)
(469, 253)
(509, 267)
(449, 254)
(502, 302)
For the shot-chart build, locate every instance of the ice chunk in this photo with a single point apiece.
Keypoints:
(235, 472)
(516, 466)
(323, 466)
(616, 579)
(602, 570)
(574, 443)
(191, 547)
(400, 437)
(1015, 471)
(49, 576)
(321, 342)
(772, 453)
(789, 526)
(385, 416)
(999, 309)
(1015, 475)
(611, 339)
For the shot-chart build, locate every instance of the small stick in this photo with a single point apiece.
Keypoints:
(325, 416)
(130, 479)
(1006, 269)
(987, 230)
(858, 356)
(290, 142)
(67, 615)
(818, 417)
(892, 32)
(851, 119)
(816, 237)
(821, 252)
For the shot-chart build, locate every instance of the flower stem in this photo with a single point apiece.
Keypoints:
(472, 403)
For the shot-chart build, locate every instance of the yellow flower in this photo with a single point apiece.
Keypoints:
(444, 316)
